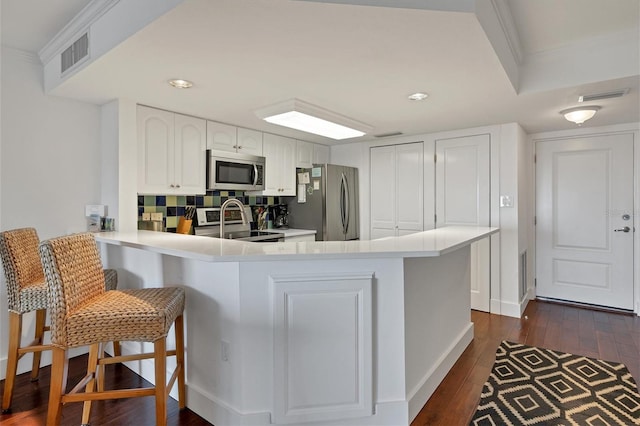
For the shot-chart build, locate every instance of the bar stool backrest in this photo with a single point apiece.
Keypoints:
(22, 268)
(74, 274)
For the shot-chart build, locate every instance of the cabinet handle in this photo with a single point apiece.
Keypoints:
(178, 186)
(239, 147)
(172, 186)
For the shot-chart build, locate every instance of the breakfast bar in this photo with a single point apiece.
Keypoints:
(329, 332)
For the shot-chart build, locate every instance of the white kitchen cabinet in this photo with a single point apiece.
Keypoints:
(280, 175)
(171, 153)
(321, 154)
(397, 190)
(300, 238)
(249, 141)
(224, 137)
(304, 154)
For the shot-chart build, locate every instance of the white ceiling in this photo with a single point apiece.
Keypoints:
(360, 61)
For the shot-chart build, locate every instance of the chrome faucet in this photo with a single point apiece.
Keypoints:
(243, 214)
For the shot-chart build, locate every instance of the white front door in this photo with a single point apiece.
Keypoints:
(584, 204)
(462, 198)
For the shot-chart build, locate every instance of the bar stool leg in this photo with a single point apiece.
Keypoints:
(41, 316)
(179, 331)
(92, 369)
(116, 348)
(15, 334)
(59, 369)
(160, 361)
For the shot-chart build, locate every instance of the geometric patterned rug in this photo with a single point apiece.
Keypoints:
(535, 386)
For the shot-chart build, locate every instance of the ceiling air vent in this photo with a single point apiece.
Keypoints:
(386, 135)
(605, 95)
(75, 53)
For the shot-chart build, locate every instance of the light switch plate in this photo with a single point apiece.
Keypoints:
(156, 216)
(506, 201)
(95, 209)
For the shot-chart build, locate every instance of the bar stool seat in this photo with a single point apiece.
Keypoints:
(83, 313)
(27, 292)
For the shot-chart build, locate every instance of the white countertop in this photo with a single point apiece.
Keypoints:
(422, 244)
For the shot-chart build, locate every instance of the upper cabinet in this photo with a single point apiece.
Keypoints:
(304, 154)
(311, 153)
(224, 137)
(171, 153)
(249, 141)
(280, 175)
(321, 154)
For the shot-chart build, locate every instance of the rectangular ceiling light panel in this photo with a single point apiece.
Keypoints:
(300, 115)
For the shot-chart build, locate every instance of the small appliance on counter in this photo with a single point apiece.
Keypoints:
(279, 215)
(208, 220)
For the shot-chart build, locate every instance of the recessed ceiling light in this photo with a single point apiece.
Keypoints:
(180, 84)
(418, 96)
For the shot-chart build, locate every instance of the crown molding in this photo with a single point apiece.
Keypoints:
(23, 55)
(503, 13)
(83, 20)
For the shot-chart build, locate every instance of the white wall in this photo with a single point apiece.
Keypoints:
(50, 164)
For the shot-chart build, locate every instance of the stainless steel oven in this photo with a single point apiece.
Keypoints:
(232, 171)
(208, 225)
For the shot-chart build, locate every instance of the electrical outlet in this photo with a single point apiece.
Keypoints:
(156, 216)
(146, 216)
(224, 352)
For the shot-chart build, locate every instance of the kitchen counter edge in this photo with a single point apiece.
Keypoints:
(435, 242)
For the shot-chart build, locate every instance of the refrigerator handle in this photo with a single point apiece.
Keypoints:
(344, 203)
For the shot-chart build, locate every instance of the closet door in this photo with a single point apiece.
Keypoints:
(463, 198)
(383, 187)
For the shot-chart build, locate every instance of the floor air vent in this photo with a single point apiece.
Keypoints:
(605, 95)
(75, 53)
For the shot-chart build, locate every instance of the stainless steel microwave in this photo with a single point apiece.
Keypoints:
(232, 171)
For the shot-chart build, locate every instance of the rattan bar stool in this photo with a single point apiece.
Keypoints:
(82, 313)
(27, 292)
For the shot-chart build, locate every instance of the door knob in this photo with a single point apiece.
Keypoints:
(625, 229)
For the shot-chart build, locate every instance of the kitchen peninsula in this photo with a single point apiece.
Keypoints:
(354, 332)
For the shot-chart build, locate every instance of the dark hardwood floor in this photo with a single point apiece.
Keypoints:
(603, 335)
(614, 337)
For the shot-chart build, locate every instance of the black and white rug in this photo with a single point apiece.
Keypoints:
(535, 386)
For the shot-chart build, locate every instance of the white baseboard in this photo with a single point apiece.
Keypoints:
(430, 381)
(513, 309)
(24, 365)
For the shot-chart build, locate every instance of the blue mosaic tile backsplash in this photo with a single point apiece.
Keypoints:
(173, 206)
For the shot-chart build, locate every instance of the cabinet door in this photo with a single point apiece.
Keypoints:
(409, 188)
(321, 154)
(304, 154)
(280, 177)
(270, 149)
(288, 167)
(383, 188)
(221, 137)
(249, 141)
(190, 155)
(155, 150)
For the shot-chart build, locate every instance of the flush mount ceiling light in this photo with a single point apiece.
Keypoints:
(309, 118)
(418, 96)
(581, 114)
(178, 83)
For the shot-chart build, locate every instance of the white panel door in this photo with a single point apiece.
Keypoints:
(383, 187)
(409, 188)
(463, 198)
(584, 201)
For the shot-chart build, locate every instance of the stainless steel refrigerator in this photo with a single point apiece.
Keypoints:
(327, 201)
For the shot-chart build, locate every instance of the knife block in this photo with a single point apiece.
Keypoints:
(184, 226)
